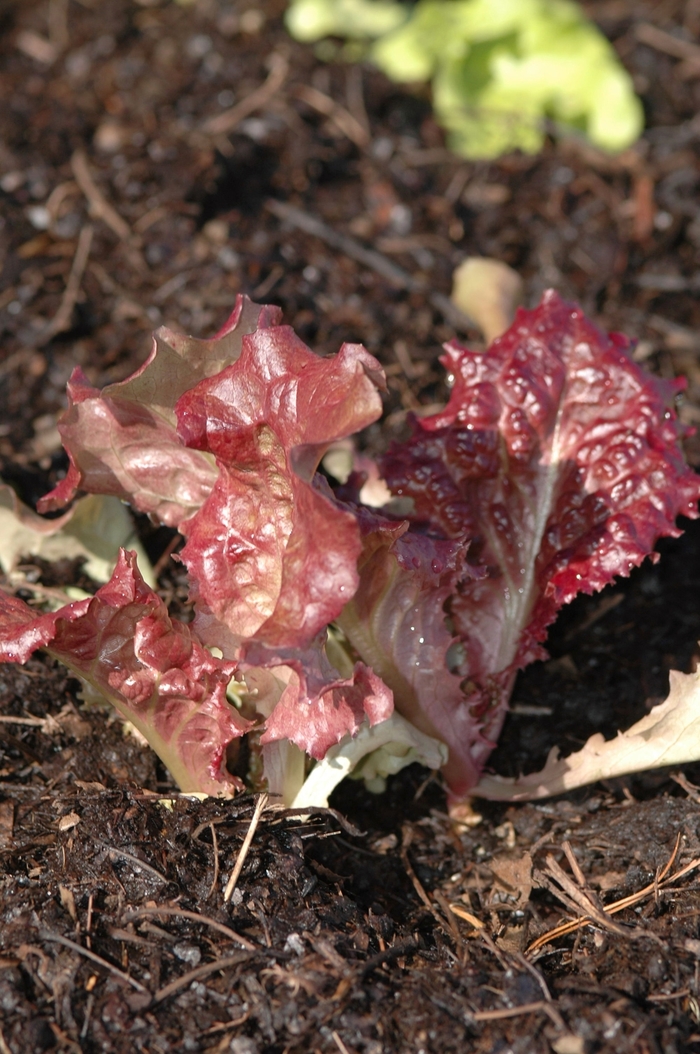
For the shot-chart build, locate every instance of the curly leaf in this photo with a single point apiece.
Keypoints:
(559, 458)
(270, 554)
(123, 440)
(668, 735)
(150, 667)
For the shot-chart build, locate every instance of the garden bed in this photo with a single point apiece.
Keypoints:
(156, 160)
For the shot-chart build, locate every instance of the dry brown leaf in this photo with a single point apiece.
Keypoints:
(668, 735)
(67, 822)
(488, 291)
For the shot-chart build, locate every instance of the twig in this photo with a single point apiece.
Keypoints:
(225, 122)
(462, 913)
(415, 881)
(166, 554)
(511, 1011)
(100, 208)
(62, 319)
(136, 860)
(215, 845)
(243, 852)
(447, 920)
(17, 358)
(58, 24)
(339, 1043)
(199, 971)
(573, 895)
(369, 258)
(662, 882)
(690, 789)
(355, 96)
(56, 938)
(339, 116)
(667, 43)
(574, 864)
(33, 722)
(449, 915)
(194, 917)
(665, 996)
(4, 1049)
(396, 951)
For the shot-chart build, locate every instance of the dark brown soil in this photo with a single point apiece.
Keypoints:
(347, 930)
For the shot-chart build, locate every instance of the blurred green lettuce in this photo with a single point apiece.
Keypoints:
(502, 71)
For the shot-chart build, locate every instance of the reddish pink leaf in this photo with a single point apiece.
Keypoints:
(123, 440)
(310, 703)
(159, 677)
(558, 457)
(270, 554)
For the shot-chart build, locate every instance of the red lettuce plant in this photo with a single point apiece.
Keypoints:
(554, 467)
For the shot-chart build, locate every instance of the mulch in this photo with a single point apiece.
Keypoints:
(155, 160)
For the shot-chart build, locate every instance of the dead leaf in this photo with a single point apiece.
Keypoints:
(489, 292)
(67, 822)
(7, 821)
(610, 880)
(68, 900)
(89, 786)
(69, 720)
(668, 735)
(512, 878)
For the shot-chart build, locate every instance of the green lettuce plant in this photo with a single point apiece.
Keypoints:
(501, 72)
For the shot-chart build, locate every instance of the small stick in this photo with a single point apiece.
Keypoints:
(661, 882)
(664, 996)
(667, 43)
(88, 923)
(166, 554)
(574, 864)
(690, 789)
(336, 113)
(339, 1043)
(450, 917)
(462, 913)
(355, 96)
(225, 122)
(137, 861)
(99, 206)
(194, 975)
(194, 917)
(243, 852)
(215, 845)
(34, 722)
(572, 893)
(511, 1011)
(56, 938)
(62, 318)
(417, 885)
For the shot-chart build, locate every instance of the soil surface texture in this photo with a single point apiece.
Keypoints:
(156, 159)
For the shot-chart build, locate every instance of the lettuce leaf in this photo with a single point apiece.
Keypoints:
(94, 528)
(396, 622)
(156, 674)
(270, 554)
(554, 467)
(123, 440)
(557, 456)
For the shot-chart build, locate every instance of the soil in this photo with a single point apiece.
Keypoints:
(128, 202)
